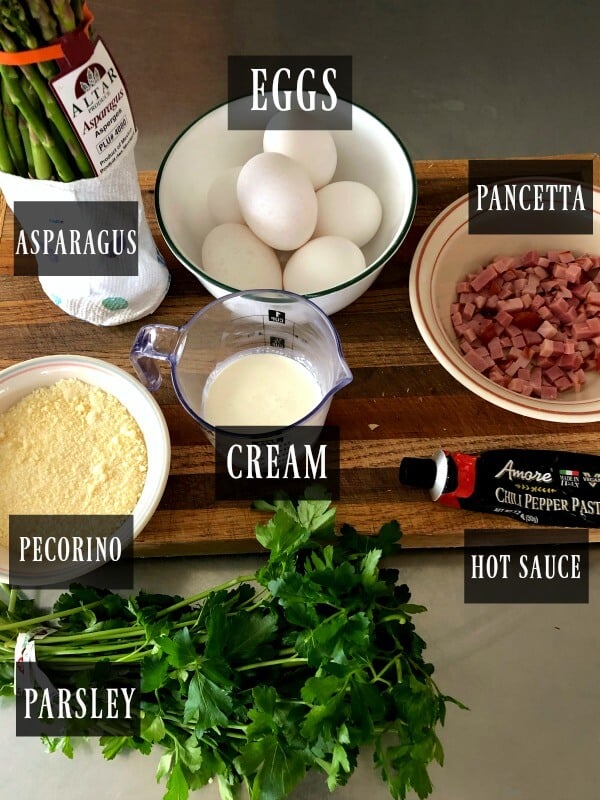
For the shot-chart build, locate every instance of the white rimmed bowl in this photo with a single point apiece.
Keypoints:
(21, 379)
(445, 254)
(370, 153)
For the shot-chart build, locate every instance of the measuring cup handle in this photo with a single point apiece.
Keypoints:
(152, 343)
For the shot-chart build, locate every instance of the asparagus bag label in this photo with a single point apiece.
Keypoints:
(99, 299)
(94, 99)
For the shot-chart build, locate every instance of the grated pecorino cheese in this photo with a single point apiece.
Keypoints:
(69, 448)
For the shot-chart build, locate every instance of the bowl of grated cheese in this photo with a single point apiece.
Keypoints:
(78, 436)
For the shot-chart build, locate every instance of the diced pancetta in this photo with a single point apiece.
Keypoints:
(548, 392)
(547, 330)
(476, 361)
(483, 278)
(531, 323)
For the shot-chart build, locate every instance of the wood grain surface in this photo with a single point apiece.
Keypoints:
(401, 401)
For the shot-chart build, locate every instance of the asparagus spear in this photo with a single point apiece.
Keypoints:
(53, 112)
(24, 132)
(13, 135)
(41, 163)
(64, 14)
(14, 19)
(41, 13)
(36, 104)
(6, 162)
(77, 6)
(32, 96)
(10, 79)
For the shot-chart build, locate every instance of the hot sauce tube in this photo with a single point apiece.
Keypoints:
(542, 487)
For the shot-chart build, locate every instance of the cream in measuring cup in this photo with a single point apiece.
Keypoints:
(259, 389)
(260, 358)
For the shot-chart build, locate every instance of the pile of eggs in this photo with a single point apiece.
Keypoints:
(282, 224)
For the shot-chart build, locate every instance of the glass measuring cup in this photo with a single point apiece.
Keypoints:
(253, 321)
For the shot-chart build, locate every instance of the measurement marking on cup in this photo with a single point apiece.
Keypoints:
(277, 341)
(277, 316)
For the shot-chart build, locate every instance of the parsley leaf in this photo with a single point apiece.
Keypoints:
(59, 744)
(207, 704)
(177, 785)
(153, 728)
(272, 766)
(154, 672)
(179, 649)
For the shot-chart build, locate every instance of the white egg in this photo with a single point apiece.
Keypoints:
(221, 198)
(233, 255)
(321, 264)
(348, 209)
(277, 200)
(315, 150)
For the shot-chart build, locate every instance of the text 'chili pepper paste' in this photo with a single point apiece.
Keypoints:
(542, 487)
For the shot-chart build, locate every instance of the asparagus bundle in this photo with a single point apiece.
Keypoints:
(36, 138)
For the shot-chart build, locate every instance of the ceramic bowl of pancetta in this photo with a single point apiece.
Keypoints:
(514, 318)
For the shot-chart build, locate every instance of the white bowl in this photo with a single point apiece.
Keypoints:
(445, 254)
(20, 379)
(370, 153)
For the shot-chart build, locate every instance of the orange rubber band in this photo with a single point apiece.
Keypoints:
(52, 52)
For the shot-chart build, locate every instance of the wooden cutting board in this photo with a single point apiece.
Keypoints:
(401, 401)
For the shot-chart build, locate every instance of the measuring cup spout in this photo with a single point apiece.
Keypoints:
(152, 343)
(344, 374)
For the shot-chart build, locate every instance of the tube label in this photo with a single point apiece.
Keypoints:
(542, 487)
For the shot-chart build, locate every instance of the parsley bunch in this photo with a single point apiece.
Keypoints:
(260, 679)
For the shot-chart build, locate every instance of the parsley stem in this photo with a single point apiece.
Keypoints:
(116, 633)
(76, 662)
(101, 648)
(137, 655)
(391, 617)
(139, 649)
(287, 651)
(202, 595)
(283, 662)
(91, 636)
(179, 724)
(49, 617)
(424, 673)
(256, 601)
(389, 664)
